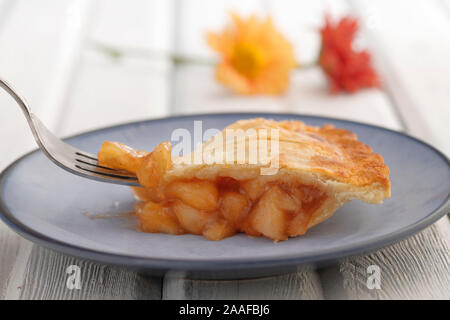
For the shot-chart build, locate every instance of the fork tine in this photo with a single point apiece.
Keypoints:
(96, 165)
(90, 160)
(86, 156)
(131, 178)
(101, 169)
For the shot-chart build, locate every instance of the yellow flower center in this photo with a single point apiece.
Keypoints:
(248, 59)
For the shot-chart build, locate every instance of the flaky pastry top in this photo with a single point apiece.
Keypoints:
(327, 156)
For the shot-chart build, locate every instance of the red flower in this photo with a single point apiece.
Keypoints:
(347, 69)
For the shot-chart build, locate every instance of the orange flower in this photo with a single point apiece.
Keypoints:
(256, 58)
(347, 69)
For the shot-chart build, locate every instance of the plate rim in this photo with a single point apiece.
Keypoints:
(219, 264)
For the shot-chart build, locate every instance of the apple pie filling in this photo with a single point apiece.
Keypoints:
(217, 208)
(221, 208)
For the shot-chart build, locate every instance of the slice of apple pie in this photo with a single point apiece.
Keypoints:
(258, 176)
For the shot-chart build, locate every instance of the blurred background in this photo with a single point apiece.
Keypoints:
(86, 64)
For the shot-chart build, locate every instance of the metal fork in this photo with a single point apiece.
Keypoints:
(64, 155)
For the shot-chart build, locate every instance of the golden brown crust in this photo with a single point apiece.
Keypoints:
(355, 164)
(325, 155)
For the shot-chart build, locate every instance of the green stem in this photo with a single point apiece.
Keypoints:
(118, 53)
(309, 65)
(145, 53)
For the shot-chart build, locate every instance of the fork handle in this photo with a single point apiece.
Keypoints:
(25, 108)
(20, 101)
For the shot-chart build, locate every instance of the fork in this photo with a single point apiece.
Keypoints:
(66, 156)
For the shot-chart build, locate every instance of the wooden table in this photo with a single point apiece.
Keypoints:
(47, 50)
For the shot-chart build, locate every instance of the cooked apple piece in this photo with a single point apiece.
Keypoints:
(305, 193)
(155, 165)
(311, 199)
(234, 207)
(202, 195)
(147, 194)
(218, 230)
(191, 219)
(298, 224)
(269, 220)
(253, 188)
(155, 218)
(283, 199)
(116, 155)
(271, 214)
(247, 228)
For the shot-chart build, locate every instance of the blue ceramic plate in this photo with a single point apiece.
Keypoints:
(51, 207)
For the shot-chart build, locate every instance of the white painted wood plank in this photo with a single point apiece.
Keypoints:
(36, 50)
(109, 91)
(413, 47)
(304, 285)
(197, 91)
(300, 21)
(35, 57)
(15, 265)
(97, 281)
(309, 95)
(137, 23)
(415, 268)
(446, 5)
